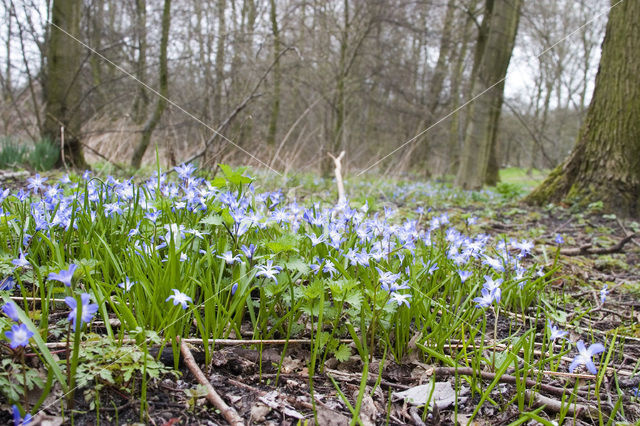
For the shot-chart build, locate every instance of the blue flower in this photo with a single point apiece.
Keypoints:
(88, 309)
(248, 251)
(486, 299)
(464, 275)
(603, 294)
(64, 276)
(179, 298)
(36, 182)
(7, 284)
(559, 239)
(584, 357)
(229, 258)
(19, 335)
(555, 332)
(21, 261)
(126, 284)
(10, 309)
(17, 418)
(268, 271)
(400, 298)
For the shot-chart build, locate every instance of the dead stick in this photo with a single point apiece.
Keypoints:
(338, 171)
(505, 378)
(587, 249)
(229, 413)
(555, 406)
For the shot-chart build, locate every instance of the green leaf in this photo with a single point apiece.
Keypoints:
(212, 220)
(297, 264)
(343, 353)
(286, 242)
(42, 346)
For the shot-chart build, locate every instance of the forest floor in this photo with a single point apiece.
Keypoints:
(598, 249)
(248, 383)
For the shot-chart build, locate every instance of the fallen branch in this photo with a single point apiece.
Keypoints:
(229, 413)
(441, 372)
(588, 248)
(555, 406)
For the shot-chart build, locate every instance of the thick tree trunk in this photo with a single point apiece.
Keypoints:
(605, 163)
(62, 88)
(488, 85)
(161, 104)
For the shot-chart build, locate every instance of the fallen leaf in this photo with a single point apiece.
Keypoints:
(443, 395)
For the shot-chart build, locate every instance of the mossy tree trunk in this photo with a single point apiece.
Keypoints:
(605, 162)
(62, 90)
(478, 163)
(161, 102)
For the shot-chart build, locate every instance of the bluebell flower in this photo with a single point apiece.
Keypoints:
(315, 240)
(19, 335)
(400, 298)
(7, 284)
(249, 251)
(229, 258)
(555, 332)
(329, 268)
(127, 284)
(17, 418)
(234, 288)
(486, 299)
(464, 275)
(36, 182)
(64, 276)
(559, 239)
(179, 298)
(268, 271)
(88, 309)
(10, 309)
(584, 357)
(603, 293)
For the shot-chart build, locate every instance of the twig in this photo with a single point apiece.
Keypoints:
(222, 342)
(64, 162)
(505, 378)
(338, 171)
(588, 248)
(229, 413)
(555, 406)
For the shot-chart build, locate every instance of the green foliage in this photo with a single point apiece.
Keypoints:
(103, 362)
(12, 152)
(13, 379)
(44, 155)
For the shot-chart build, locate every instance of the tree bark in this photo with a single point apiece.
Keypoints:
(275, 106)
(605, 162)
(478, 162)
(62, 89)
(161, 103)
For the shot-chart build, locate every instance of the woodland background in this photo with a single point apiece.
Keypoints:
(290, 80)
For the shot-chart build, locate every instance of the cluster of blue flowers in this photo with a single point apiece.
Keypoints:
(396, 252)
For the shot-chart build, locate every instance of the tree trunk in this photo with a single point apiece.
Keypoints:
(62, 89)
(435, 87)
(219, 67)
(478, 162)
(161, 103)
(605, 162)
(141, 102)
(275, 106)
